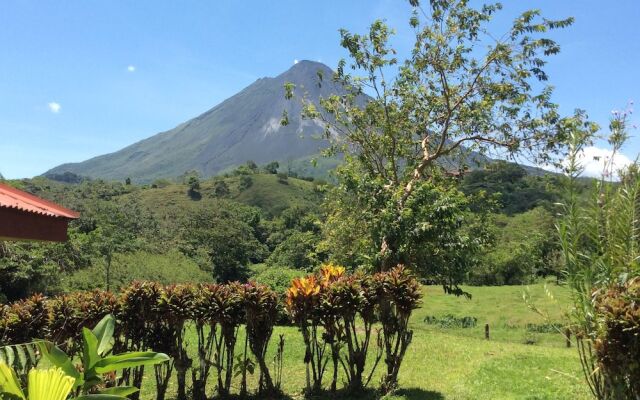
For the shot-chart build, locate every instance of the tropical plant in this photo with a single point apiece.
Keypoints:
(302, 301)
(49, 384)
(175, 307)
(96, 361)
(261, 314)
(600, 244)
(139, 333)
(348, 308)
(399, 295)
(228, 313)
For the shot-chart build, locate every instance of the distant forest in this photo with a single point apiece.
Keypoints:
(260, 223)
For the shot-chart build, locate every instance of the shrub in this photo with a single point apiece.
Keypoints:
(70, 313)
(347, 306)
(451, 321)
(24, 320)
(150, 331)
(261, 313)
(175, 307)
(228, 313)
(599, 242)
(399, 295)
(303, 299)
(205, 324)
(618, 342)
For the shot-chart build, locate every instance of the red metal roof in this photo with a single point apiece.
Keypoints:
(17, 199)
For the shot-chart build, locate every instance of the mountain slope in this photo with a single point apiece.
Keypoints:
(244, 127)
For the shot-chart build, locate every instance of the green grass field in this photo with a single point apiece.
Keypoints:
(458, 363)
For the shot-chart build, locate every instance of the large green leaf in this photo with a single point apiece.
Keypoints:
(58, 358)
(100, 397)
(120, 390)
(129, 360)
(90, 354)
(104, 334)
(9, 383)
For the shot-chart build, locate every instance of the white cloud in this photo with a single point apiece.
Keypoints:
(54, 107)
(131, 68)
(593, 159)
(295, 61)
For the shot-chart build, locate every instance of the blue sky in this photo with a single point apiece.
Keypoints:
(82, 78)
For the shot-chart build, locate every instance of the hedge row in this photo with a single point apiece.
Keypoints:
(332, 309)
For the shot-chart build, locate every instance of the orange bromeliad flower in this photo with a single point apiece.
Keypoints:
(302, 287)
(330, 272)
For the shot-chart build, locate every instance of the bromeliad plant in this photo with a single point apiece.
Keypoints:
(228, 313)
(302, 303)
(143, 328)
(175, 308)
(261, 313)
(400, 294)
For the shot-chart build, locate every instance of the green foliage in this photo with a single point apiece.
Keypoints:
(220, 188)
(451, 321)
(272, 167)
(601, 253)
(454, 93)
(517, 191)
(297, 251)
(618, 342)
(525, 248)
(229, 238)
(170, 267)
(96, 344)
(194, 187)
(436, 232)
(245, 182)
(278, 279)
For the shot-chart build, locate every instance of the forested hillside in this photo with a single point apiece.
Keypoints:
(256, 221)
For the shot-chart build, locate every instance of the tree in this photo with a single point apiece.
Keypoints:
(194, 186)
(252, 166)
(518, 192)
(460, 90)
(245, 182)
(297, 251)
(272, 167)
(227, 235)
(220, 188)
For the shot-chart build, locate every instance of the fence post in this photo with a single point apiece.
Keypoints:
(567, 334)
(486, 331)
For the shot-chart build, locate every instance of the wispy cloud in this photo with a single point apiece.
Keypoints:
(54, 107)
(295, 61)
(131, 68)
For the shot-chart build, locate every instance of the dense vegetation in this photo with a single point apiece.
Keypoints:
(161, 232)
(157, 316)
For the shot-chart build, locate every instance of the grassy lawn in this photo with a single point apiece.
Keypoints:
(458, 363)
